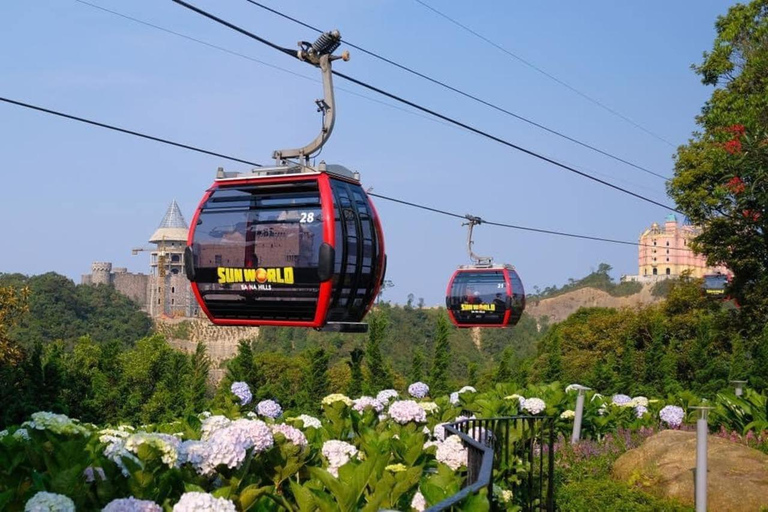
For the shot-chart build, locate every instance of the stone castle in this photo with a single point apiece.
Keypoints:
(164, 292)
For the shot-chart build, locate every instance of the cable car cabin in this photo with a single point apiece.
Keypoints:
(714, 286)
(287, 246)
(485, 296)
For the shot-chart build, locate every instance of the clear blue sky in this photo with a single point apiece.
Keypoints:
(72, 193)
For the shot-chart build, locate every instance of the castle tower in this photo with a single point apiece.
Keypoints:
(100, 272)
(169, 290)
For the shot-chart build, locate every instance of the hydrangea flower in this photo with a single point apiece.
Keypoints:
(132, 505)
(567, 415)
(337, 453)
(439, 432)
(3, 433)
(310, 421)
(640, 400)
(454, 397)
(534, 405)
(292, 434)
(429, 407)
(167, 444)
(56, 423)
(203, 502)
(640, 410)
(418, 502)
(91, 472)
(672, 415)
(386, 395)
(269, 408)
(227, 446)
(49, 502)
(211, 424)
(337, 397)
(621, 400)
(506, 496)
(418, 390)
(452, 452)
(367, 402)
(242, 392)
(405, 411)
(21, 435)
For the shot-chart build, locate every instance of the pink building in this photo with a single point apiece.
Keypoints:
(665, 251)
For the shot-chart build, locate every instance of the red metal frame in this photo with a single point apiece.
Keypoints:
(507, 314)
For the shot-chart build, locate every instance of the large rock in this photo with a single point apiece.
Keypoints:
(663, 465)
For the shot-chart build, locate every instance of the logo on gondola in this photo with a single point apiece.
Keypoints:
(478, 307)
(281, 275)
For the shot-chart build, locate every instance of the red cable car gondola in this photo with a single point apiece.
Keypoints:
(291, 245)
(484, 294)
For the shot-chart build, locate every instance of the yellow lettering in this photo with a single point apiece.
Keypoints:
(288, 274)
(271, 275)
(222, 272)
(250, 275)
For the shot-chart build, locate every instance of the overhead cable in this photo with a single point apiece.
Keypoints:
(463, 93)
(546, 74)
(431, 112)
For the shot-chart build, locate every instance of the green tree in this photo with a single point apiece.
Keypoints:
(721, 175)
(504, 370)
(379, 375)
(242, 367)
(318, 382)
(356, 367)
(417, 365)
(441, 359)
(197, 392)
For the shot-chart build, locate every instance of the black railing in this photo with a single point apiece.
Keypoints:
(515, 452)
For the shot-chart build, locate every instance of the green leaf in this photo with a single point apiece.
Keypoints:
(303, 496)
(251, 494)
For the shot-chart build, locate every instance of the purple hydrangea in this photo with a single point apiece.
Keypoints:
(621, 400)
(418, 390)
(132, 505)
(269, 408)
(640, 410)
(672, 415)
(386, 395)
(242, 392)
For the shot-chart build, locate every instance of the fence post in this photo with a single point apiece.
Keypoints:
(702, 431)
(579, 412)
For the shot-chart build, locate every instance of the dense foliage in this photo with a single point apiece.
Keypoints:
(721, 175)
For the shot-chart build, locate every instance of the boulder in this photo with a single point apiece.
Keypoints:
(663, 465)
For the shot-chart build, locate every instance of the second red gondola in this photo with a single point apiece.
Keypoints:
(491, 296)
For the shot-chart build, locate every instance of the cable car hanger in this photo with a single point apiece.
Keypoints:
(480, 261)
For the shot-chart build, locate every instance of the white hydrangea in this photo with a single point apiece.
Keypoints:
(386, 395)
(115, 449)
(439, 432)
(506, 496)
(132, 505)
(337, 453)
(567, 415)
(337, 397)
(227, 446)
(49, 502)
(429, 407)
(310, 421)
(367, 402)
(454, 397)
(418, 390)
(56, 423)
(418, 502)
(21, 435)
(452, 453)
(166, 443)
(211, 424)
(405, 411)
(534, 405)
(639, 400)
(292, 434)
(3, 433)
(203, 502)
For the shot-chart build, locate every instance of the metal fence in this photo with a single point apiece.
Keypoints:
(516, 452)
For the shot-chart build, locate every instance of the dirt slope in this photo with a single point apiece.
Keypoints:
(560, 307)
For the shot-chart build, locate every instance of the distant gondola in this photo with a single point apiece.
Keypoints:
(484, 294)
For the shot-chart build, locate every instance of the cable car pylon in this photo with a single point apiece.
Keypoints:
(291, 245)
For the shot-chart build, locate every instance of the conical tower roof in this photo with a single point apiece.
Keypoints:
(173, 227)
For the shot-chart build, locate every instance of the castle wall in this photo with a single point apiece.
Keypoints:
(132, 285)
